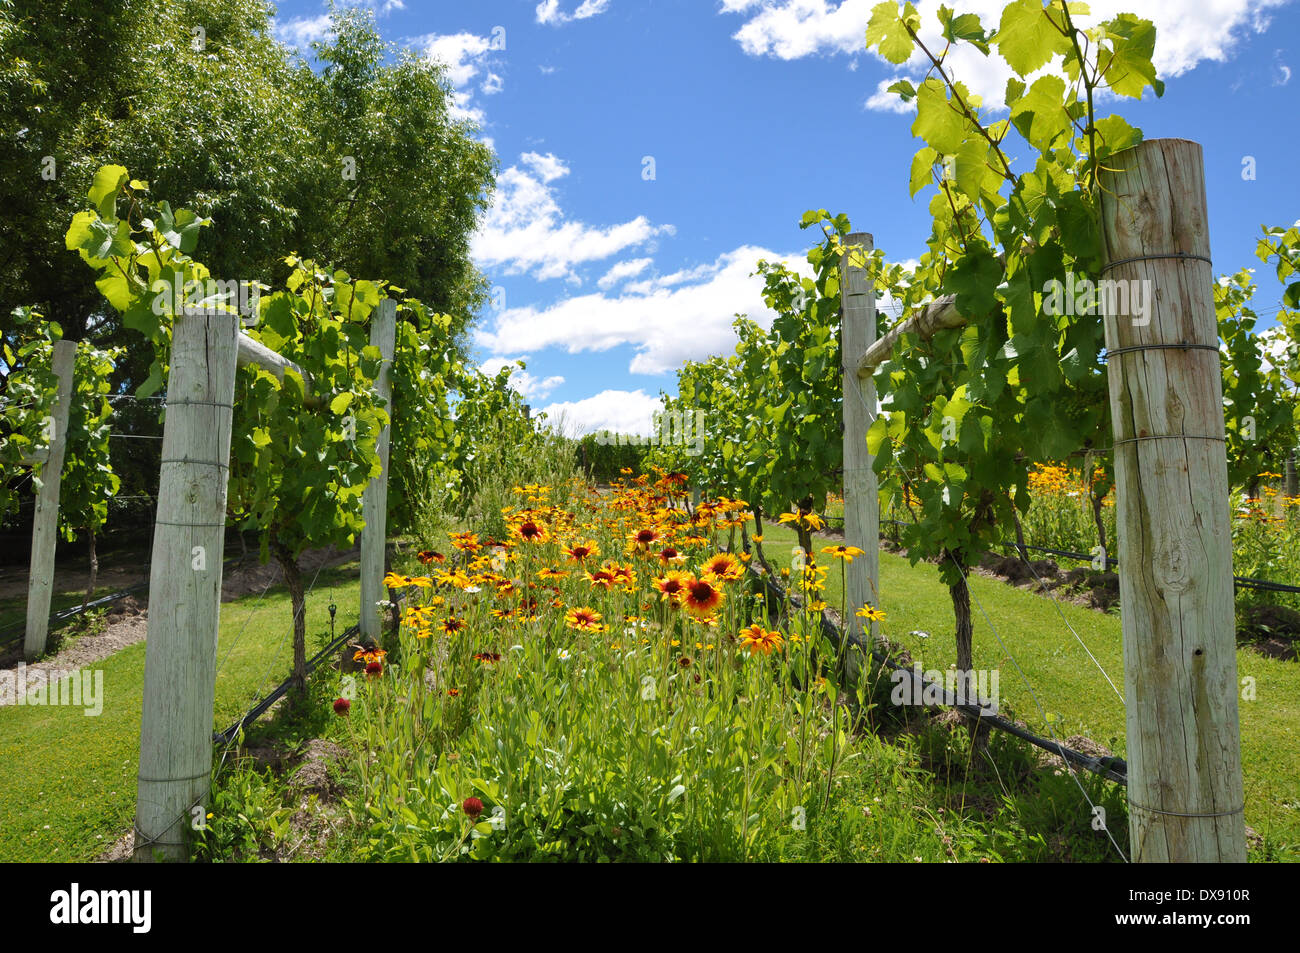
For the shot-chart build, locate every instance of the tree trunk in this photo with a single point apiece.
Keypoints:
(1020, 535)
(960, 593)
(94, 570)
(1101, 525)
(758, 531)
(293, 579)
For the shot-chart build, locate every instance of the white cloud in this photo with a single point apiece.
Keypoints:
(622, 271)
(547, 167)
(620, 411)
(526, 231)
(667, 321)
(463, 56)
(301, 32)
(458, 52)
(1282, 75)
(548, 11)
(1187, 32)
(530, 386)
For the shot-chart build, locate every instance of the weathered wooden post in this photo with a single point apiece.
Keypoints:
(1292, 481)
(861, 488)
(45, 521)
(1175, 539)
(185, 586)
(374, 501)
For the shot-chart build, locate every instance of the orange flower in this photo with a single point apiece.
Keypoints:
(723, 566)
(756, 639)
(645, 538)
(701, 597)
(581, 551)
(451, 625)
(584, 619)
(669, 556)
(465, 542)
(673, 584)
(530, 531)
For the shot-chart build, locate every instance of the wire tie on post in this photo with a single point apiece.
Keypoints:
(1152, 810)
(1162, 347)
(1178, 255)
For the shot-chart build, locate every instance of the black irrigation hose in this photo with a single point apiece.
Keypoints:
(1241, 582)
(15, 630)
(262, 707)
(1113, 769)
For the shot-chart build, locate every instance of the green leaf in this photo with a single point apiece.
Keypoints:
(1040, 114)
(341, 402)
(1126, 66)
(1114, 134)
(974, 280)
(922, 169)
(1026, 37)
(103, 190)
(888, 33)
(965, 27)
(937, 122)
(114, 286)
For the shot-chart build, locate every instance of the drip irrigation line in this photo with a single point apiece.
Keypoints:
(1113, 769)
(1241, 582)
(262, 707)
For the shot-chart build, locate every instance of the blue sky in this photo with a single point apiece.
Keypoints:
(652, 151)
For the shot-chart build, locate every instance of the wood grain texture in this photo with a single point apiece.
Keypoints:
(939, 314)
(184, 600)
(861, 489)
(1175, 540)
(374, 500)
(45, 520)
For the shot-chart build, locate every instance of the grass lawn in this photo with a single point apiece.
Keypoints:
(67, 781)
(1014, 624)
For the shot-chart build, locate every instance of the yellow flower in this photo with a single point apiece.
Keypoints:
(846, 553)
(871, 613)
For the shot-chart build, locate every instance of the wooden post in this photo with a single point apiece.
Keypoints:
(1292, 482)
(861, 488)
(374, 501)
(45, 521)
(185, 587)
(1175, 538)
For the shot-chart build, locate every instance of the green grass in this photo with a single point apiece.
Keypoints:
(67, 781)
(1067, 683)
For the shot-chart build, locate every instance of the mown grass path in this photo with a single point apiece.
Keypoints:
(1068, 685)
(67, 781)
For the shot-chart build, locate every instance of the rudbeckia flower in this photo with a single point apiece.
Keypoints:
(846, 553)
(584, 619)
(701, 597)
(756, 639)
